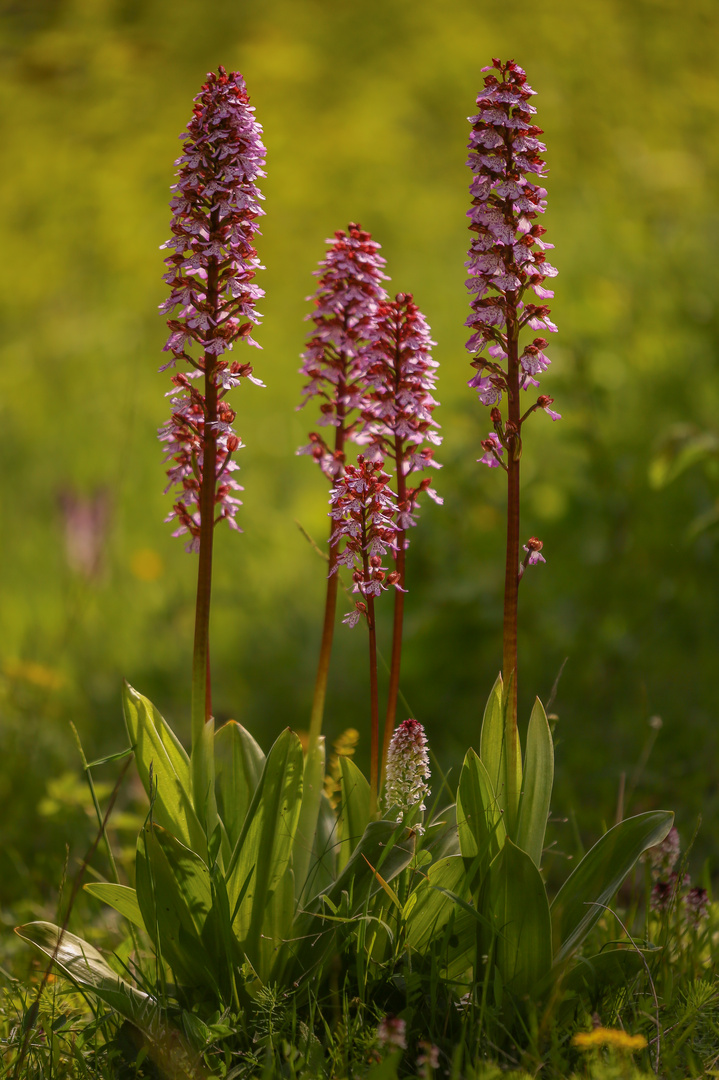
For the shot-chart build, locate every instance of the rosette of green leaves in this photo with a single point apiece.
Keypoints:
(486, 909)
(264, 899)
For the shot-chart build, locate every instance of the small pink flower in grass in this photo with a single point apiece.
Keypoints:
(392, 1033)
(210, 271)
(507, 257)
(663, 857)
(400, 376)
(347, 298)
(696, 906)
(427, 1059)
(408, 770)
(363, 509)
(665, 892)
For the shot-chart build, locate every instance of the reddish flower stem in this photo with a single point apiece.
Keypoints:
(201, 687)
(374, 707)
(373, 688)
(328, 626)
(511, 576)
(398, 620)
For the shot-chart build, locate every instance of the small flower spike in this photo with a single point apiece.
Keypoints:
(407, 770)
(400, 376)
(346, 301)
(363, 509)
(392, 1033)
(507, 255)
(210, 272)
(696, 906)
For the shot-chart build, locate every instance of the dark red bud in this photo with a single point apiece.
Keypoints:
(544, 400)
(375, 561)
(534, 544)
(495, 416)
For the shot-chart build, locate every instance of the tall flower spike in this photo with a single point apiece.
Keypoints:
(349, 292)
(400, 377)
(363, 508)
(210, 271)
(507, 255)
(362, 512)
(347, 297)
(407, 770)
(507, 263)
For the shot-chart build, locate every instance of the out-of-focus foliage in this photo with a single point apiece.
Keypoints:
(364, 109)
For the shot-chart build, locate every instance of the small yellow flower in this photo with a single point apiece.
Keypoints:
(602, 1036)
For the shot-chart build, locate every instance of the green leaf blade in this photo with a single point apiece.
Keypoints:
(538, 779)
(120, 897)
(577, 905)
(159, 753)
(519, 910)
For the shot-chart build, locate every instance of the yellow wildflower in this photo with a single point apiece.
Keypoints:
(602, 1036)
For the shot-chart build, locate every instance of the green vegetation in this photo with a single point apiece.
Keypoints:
(364, 114)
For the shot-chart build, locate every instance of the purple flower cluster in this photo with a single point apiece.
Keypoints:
(210, 273)
(363, 510)
(399, 376)
(347, 298)
(670, 886)
(507, 254)
(392, 1033)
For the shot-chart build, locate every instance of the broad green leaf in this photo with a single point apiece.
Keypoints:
(479, 818)
(175, 897)
(263, 851)
(492, 751)
(306, 834)
(119, 897)
(354, 814)
(537, 782)
(441, 837)
(239, 762)
(491, 742)
(277, 923)
(577, 905)
(84, 965)
(518, 907)
(431, 908)
(202, 768)
(322, 871)
(158, 751)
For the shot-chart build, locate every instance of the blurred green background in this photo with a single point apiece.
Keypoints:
(364, 108)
